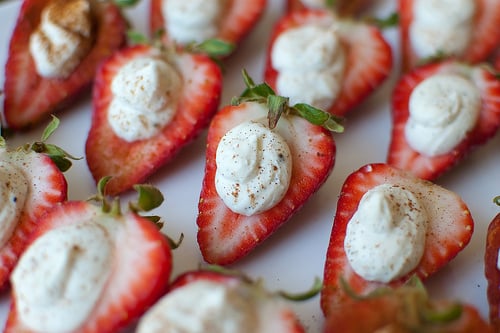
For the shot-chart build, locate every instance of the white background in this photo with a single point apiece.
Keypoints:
(295, 255)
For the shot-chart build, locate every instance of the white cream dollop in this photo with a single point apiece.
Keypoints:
(189, 21)
(310, 62)
(443, 109)
(145, 94)
(385, 238)
(14, 189)
(442, 26)
(62, 39)
(254, 168)
(203, 307)
(60, 277)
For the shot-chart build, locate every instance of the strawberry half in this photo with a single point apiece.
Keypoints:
(29, 97)
(209, 298)
(238, 20)
(485, 35)
(368, 56)
(224, 235)
(126, 260)
(403, 156)
(407, 308)
(45, 186)
(491, 271)
(131, 162)
(449, 229)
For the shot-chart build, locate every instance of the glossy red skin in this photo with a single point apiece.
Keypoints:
(492, 272)
(144, 284)
(293, 324)
(225, 236)
(446, 236)
(132, 163)
(48, 188)
(30, 98)
(240, 18)
(401, 155)
(485, 38)
(368, 56)
(371, 315)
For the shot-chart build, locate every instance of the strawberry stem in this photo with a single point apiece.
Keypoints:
(126, 3)
(304, 296)
(390, 21)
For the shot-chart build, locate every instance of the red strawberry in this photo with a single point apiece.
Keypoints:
(485, 35)
(238, 20)
(45, 186)
(124, 256)
(224, 235)
(405, 309)
(132, 162)
(368, 56)
(403, 156)
(449, 230)
(491, 270)
(29, 98)
(258, 309)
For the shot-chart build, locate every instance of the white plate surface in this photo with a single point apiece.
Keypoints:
(295, 255)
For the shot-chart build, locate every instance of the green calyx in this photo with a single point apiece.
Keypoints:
(297, 297)
(279, 105)
(149, 198)
(416, 310)
(390, 21)
(213, 48)
(126, 3)
(59, 156)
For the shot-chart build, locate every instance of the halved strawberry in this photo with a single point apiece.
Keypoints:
(403, 156)
(45, 186)
(405, 309)
(99, 269)
(224, 235)
(449, 229)
(219, 299)
(484, 40)
(132, 162)
(29, 98)
(239, 18)
(492, 272)
(368, 56)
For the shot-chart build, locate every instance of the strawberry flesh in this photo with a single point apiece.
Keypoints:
(47, 187)
(449, 230)
(142, 264)
(492, 272)
(403, 156)
(30, 98)
(225, 236)
(368, 56)
(485, 37)
(238, 20)
(131, 163)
